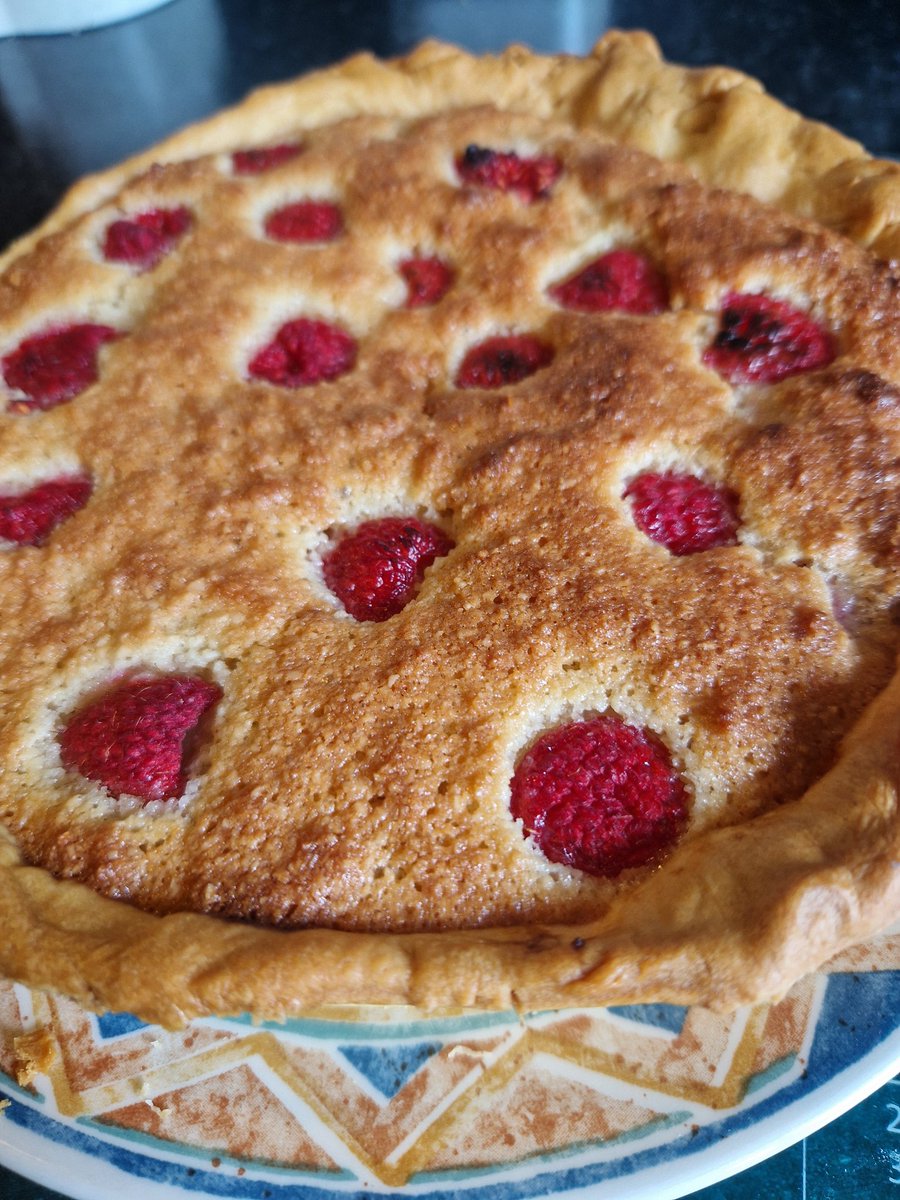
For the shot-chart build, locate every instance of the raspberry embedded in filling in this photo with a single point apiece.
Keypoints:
(599, 795)
(142, 240)
(53, 367)
(528, 178)
(499, 361)
(844, 605)
(132, 739)
(263, 158)
(427, 279)
(305, 221)
(621, 280)
(303, 352)
(761, 340)
(682, 512)
(376, 570)
(27, 518)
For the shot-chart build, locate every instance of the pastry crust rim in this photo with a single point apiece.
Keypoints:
(62, 936)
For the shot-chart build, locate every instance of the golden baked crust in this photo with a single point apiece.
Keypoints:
(358, 774)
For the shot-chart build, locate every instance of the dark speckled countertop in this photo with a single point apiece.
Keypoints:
(72, 103)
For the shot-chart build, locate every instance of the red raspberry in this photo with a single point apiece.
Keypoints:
(376, 570)
(683, 513)
(529, 178)
(620, 280)
(599, 795)
(304, 352)
(498, 361)
(142, 240)
(761, 340)
(52, 367)
(27, 518)
(263, 158)
(131, 740)
(305, 221)
(427, 280)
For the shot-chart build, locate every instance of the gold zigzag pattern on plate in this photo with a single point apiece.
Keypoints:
(492, 1097)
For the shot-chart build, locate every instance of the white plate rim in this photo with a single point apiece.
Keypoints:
(79, 1175)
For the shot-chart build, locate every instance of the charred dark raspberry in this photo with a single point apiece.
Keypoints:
(376, 570)
(761, 340)
(131, 740)
(621, 280)
(499, 361)
(52, 367)
(303, 352)
(529, 178)
(305, 221)
(427, 279)
(683, 513)
(142, 240)
(263, 158)
(600, 795)
(27, 518)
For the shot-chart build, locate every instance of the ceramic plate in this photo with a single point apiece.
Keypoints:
(353, 1102)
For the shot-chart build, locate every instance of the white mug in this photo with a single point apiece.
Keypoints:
(67, 16)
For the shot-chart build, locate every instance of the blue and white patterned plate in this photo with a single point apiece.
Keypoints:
(368, 1102)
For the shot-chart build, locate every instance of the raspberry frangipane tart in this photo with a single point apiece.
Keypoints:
(450, 548)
